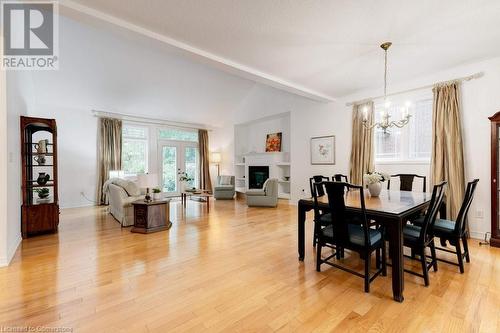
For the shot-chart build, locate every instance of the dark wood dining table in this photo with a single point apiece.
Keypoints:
(391, 208)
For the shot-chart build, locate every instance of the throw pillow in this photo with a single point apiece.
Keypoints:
(225, 180)
(129, 186)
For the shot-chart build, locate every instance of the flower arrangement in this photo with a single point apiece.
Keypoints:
(183, 176)
(375, 177)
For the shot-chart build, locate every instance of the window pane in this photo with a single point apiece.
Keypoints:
(178, 134)
(421, 130)
(191, 160)
(169, 163)
(135, 132)
(387, 145)
(134, 156)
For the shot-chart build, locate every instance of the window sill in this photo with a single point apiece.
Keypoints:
(403, 162)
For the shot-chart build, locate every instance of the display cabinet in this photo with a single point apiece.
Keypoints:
(495, 177)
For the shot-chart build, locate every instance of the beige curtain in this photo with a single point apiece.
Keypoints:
(205, 181)
(447, 162)
(110, 153)
(362, 154)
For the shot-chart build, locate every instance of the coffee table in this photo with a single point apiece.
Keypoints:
(202, 194)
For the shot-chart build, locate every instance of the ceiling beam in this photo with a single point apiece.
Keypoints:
(206, 57)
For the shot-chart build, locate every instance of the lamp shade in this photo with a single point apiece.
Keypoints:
(216, 157)
(147, 180)
(116, 174)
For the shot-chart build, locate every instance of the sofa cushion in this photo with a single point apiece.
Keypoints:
(255, 192)
(129, 186)
(225, 180)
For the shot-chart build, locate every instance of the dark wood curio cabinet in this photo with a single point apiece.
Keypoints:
(495, 179)
(40, 207)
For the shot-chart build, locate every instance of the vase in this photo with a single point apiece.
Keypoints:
(42, 178)
(182, 186)
(158, 196)
(375, 189)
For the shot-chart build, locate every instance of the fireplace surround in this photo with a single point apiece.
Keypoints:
(257, 175)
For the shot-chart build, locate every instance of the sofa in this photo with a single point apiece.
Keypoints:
(121, 193)
(265, 197)
(224, 187)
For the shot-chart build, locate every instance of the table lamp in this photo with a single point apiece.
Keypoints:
(216, 158)
(147, 181)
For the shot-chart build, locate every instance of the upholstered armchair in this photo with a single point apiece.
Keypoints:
(224, 187)
(265, 197)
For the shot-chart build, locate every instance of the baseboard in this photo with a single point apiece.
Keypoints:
(79, 206)
(477, 234)
(11, 252)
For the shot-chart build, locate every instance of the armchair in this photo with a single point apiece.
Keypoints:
(265, 197)
(224, 187)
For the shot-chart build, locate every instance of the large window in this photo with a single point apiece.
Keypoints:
(177, 134)
(134, 149)
(413, 142)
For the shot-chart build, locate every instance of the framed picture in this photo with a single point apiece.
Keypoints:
(273, 142)
(323, 150)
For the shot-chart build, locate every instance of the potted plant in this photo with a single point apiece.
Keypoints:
(157, 195)
(374, 181)
(183, 179)
(43, 193)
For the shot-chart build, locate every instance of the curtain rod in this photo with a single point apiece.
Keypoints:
(147, 120)
(460, 79)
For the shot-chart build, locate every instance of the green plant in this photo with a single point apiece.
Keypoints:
(156, 190)
(183, 176)
(42, 192)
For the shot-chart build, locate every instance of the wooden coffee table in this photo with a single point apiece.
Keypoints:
(203, 194)
(151, 216)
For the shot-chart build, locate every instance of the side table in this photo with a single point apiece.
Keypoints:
(151, 216)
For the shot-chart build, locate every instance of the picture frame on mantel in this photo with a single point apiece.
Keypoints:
(323, 150)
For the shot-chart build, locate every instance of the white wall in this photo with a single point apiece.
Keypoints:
(3, 168)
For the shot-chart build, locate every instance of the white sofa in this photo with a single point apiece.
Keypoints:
(121, 193)
(224, 187)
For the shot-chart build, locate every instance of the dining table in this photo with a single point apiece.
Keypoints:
(391, 209)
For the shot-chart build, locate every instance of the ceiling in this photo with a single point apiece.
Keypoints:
(324, 47)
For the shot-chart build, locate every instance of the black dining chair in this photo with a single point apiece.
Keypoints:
(419, 238)
(340, 178)
(346, 232)
(318, 192)
(406, 181)
(455, 231)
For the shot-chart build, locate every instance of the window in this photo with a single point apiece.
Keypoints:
(134, 149)
(178, 134)
(413, 142)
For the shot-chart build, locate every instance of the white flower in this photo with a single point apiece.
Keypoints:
(375, 177)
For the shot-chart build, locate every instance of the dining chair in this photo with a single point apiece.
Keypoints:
(419, 238)
(346, 232)
(455, 231)
(406, 181)
(340, 178)
(317, 192)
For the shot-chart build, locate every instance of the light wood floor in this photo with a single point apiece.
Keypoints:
(233, 270)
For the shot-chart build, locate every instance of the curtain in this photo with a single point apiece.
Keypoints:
(447, 161)
(205, 181)
(362, 154)
(110, 153)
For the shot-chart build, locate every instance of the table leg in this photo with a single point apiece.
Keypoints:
(208, 204)
(301, 227)
(395, 231)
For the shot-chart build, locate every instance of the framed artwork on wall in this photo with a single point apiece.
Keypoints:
(273, 142)
(323, 150)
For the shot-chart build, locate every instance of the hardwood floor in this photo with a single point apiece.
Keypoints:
(233, 270)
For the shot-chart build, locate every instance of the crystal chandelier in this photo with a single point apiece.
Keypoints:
(386, 123)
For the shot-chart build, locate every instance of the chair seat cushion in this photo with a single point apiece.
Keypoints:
(325, 219)
(224, 188)
(255, 193)
(356, 234)
(444, 225)
(411, 232)
(419, 221)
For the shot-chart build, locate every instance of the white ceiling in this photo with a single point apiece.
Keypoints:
(327, 47)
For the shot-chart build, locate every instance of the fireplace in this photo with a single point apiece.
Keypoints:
(257, 175)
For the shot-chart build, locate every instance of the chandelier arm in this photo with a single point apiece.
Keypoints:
(369, 127)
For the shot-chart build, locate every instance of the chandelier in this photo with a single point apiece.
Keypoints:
(386, 122)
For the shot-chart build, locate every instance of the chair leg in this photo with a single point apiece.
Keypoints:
(377, 258)
(315, 233)
(459, 256)
(318, 256)
(466, 248)
(423, 260)
(367, 272)
(433, 256)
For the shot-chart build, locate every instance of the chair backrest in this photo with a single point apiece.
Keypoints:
(317, 179)
(464, 209)
(340, 178)
(336, 201)
(432, 211)
(221, 177)
(406, 181)
(271, 187)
